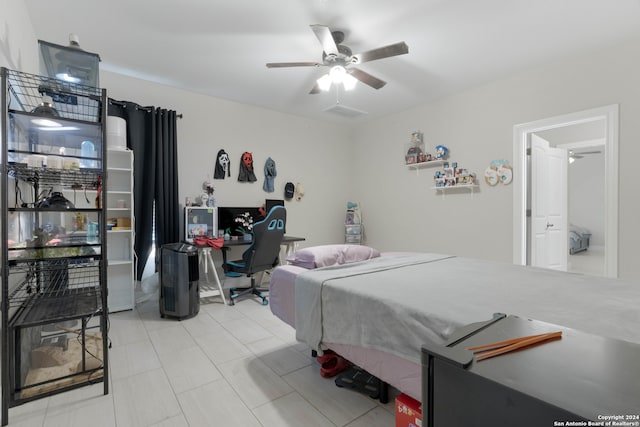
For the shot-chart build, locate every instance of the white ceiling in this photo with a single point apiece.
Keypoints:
(589, 134)
(220, 47)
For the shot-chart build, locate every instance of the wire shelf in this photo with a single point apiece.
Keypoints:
(52, 295)
(55, 289)
(18, 256)
(76, 303)
(72, 101)
(55, 276)
(43, 176)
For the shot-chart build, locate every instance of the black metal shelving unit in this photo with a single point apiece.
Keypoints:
(53, 258)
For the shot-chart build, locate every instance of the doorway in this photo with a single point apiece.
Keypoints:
(548, 204)
(584, 136)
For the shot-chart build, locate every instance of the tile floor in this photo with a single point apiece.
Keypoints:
(589, 262)
(228, 366)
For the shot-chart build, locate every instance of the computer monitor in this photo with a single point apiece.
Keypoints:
(269, 203)
(200, 222)
(227, 216)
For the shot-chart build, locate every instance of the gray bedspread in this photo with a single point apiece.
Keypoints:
(395, 304)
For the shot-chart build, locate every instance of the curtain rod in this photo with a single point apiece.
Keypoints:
(138, 107)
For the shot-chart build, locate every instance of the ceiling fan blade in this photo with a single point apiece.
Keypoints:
(589, 152)
(292, 64)
(382, 52)
(323, 33)
(366, 78)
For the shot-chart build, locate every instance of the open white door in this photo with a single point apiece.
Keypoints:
(522, 181)
(549, 228)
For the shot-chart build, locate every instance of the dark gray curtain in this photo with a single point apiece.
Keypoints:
(166, 188)
(151, 134)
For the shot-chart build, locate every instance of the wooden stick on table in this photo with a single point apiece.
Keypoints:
(495, 349)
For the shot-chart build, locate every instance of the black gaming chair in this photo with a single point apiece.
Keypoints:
(262, 254)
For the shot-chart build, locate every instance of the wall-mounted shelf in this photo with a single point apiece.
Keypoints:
(457, 188)
(423, 165)
(453, 178)
(470, 187)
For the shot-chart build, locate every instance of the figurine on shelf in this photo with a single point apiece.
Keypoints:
(416, 152)
(441, 152)
(412, 155)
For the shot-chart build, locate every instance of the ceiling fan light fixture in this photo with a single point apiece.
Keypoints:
(336, 56)
(349, 82)
(337, 74)
(324, 83)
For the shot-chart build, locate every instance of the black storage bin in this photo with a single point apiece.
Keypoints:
(179, 281)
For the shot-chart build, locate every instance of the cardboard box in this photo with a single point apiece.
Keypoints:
(408, 412)
(123, 222)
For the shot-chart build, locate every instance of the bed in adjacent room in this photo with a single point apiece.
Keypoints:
(377, 311)
(579, 238)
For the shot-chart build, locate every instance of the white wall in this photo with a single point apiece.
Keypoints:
(403, 213)
(18, 43)
(315, 154)
(400, 210)
(586, 193)
(312, 153)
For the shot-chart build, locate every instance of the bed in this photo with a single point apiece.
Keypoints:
(377, 310)
(578, 239)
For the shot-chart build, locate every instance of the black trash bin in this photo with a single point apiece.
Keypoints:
(179, 281)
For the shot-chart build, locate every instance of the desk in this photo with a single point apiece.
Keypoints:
(290, 242)
(205, 256)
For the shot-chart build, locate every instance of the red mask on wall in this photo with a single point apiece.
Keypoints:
(245, 174)
(247, 160)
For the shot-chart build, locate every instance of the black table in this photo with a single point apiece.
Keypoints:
(580, 377)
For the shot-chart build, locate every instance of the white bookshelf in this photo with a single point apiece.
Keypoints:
(120, 254)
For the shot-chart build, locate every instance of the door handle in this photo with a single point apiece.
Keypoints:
(549, 225)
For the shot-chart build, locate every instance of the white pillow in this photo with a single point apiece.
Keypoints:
(325, 255)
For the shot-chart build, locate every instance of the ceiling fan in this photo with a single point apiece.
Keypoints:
(341, 60)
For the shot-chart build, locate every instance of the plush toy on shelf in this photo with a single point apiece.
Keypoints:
(441, 152)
